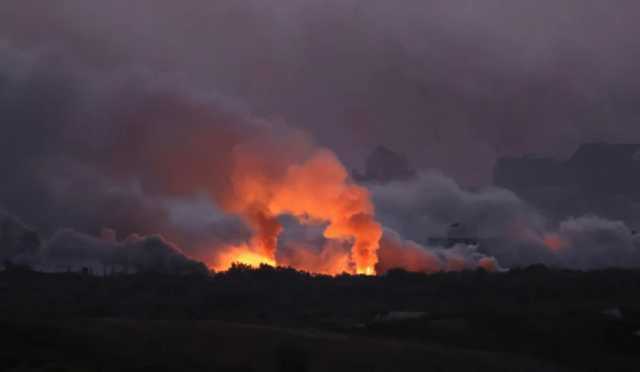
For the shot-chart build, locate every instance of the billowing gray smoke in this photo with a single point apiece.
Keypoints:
(86, 152)
(434, 206)
(68, 250)
(395, 252)
(592, 242)
(428, 205)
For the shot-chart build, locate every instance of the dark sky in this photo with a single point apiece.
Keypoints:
(453, 84)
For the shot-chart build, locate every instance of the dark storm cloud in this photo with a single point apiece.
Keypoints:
(451, 83)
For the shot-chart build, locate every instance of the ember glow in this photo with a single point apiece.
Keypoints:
(317, 191)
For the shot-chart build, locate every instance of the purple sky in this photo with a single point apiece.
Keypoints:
(453, 84)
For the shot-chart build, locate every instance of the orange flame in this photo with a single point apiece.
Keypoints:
(316, 191)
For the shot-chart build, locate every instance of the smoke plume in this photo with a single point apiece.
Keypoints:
(160, 150)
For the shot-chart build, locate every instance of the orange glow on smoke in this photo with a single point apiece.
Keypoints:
(317, 191)
(554, 242)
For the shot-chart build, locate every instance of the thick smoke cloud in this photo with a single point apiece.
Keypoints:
(592, 242)
(504, 227)
(487, 78)
(68, 249)
(429, 205)
(81, 152)
(395, 252)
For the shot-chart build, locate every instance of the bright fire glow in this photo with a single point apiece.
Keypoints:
(366, 271)
(242, 255)
(315, 191)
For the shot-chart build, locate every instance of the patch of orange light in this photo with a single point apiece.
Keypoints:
(366, 271)
(242, 255)
(554, 242)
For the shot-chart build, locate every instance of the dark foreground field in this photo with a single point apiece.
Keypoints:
(116, 345)
(534, 319)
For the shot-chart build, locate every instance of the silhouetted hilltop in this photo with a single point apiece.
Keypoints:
(599, 178)
(385, 165)
(607, 168)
